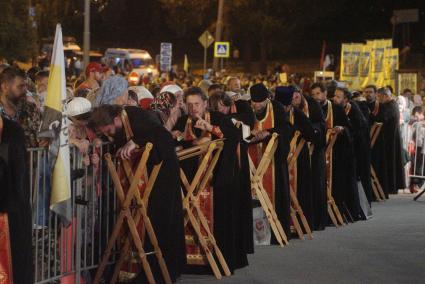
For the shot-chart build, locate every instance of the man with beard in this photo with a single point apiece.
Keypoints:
(197, 127)
(243, 117)
(343, 188)
(129, 128)
(393, 145)
(299, 121)
(16, 264)
(271, 118)
(378, 152)
(14, 106)
(361, 141)
(94, 71)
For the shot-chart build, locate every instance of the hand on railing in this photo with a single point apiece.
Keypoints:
(125, 151)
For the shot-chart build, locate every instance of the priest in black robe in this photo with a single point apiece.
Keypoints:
(318, 161)
(15, 208)
(165, 202)
(299, 121)
(393, 144)
(199, 126)
(243, 117)
(271, 118)
(344, 182)
(378, 151)
(361, 138)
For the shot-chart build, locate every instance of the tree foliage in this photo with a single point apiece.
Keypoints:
(17, 35)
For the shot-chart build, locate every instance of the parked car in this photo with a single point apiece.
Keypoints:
(135, 62)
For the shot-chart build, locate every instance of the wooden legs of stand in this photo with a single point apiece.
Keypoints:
(376, 185)
(268, 208)
(258, 190)
(333, 210)
(296, 209)
(132, 219)
(297, 212)
(193, 214)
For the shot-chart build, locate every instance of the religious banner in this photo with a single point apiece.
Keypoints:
(376, 73)
(364, 65)
(406, 80)
(350, 56)
(390, 66)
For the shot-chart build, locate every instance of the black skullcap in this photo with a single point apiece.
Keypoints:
(284, 94)
(258, 92)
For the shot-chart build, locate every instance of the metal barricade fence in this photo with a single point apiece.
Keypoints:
(70, 254)
(417, 155)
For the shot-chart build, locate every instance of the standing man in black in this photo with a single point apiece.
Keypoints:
(393, 144)
(378, 152)
(361, 141)
(15, 208)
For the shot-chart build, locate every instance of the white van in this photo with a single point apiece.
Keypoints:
(139, 60)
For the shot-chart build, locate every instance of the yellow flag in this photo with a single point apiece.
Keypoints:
(186, 64)
(55, 127)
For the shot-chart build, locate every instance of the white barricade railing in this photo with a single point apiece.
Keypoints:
(72, 252)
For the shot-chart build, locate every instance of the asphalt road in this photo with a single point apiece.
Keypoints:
(389, 248)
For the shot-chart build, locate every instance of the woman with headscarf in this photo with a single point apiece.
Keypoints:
(169, 104)
(113, 92)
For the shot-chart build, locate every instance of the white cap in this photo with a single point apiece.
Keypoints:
(231, 94)
(142, 92)
(78, 106)
(174, 89)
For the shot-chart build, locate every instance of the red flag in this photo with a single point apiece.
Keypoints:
(322, 56)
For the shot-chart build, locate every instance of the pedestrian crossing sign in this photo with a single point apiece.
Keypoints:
(222, 49)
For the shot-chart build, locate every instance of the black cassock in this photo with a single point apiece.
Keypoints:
(244, 114)
(378, 152)
(393, 147)
(15, 200)
(303, 124)
(165, 203)
(361, 138)
(318, 164)
(229, 199)
(344, 181)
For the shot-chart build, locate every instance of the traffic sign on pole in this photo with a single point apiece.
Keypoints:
(166, 56)
(206, 39)
(222, 49)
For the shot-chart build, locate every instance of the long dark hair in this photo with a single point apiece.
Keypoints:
(218, 97)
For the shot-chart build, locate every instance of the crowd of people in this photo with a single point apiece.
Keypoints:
(179, 112)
